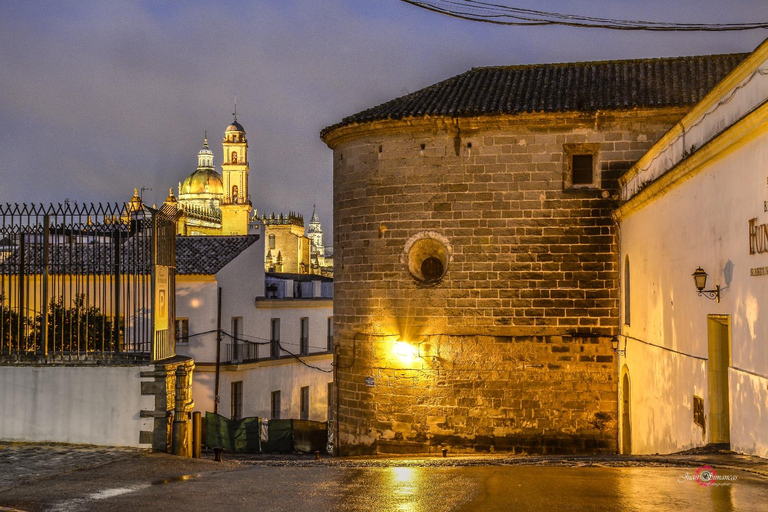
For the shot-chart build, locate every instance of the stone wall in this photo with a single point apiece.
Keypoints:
(512, 344)
(292, 245)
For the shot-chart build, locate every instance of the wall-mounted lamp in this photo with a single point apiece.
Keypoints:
(405, 351)
(700, 279)
(615, 346)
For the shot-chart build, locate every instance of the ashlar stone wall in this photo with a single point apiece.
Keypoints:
(510, 348)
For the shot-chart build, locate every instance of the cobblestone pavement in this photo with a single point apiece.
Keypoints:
(27, 461)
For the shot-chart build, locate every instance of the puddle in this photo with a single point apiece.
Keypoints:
(182, 478)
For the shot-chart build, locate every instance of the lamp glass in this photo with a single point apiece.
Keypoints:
(700, 278)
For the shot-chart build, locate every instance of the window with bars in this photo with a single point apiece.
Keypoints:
(305, 403)
(304, 340)
(275, 406)
(237, 400)
(274, 345)
(182, 330)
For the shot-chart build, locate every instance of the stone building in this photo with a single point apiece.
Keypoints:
(476, 268)
(287, 247)
(321, 257)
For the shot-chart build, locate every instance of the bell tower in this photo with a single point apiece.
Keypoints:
(236, 204)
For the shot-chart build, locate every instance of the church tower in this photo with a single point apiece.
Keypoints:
(236, 204)
(315, 234)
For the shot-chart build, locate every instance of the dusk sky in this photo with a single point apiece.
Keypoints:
(97, 98)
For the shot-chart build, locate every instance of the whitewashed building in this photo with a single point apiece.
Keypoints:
(694, 366)
(274, 354)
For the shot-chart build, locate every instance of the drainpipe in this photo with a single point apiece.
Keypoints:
(218, 355)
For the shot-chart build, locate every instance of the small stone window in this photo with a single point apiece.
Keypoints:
(427, 256)
(581, 166)
(698, 412)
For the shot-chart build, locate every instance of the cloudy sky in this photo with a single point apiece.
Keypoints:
(97, 98)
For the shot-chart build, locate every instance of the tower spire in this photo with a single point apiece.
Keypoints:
(235, 112)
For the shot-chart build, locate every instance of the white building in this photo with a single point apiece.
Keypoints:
(275, 355)
(694, 366)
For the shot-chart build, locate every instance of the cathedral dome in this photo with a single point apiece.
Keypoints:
(203, 181)
(235, 127)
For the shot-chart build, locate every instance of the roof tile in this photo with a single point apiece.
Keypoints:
(579, 86)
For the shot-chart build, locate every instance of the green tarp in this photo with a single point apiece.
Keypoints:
(232, 435)
(285, 436)
(280, 436)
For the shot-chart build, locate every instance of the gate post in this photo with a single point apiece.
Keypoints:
(180, 438)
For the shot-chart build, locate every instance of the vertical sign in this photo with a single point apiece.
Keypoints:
(161, 298)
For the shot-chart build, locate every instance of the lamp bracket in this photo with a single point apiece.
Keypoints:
(711, 294)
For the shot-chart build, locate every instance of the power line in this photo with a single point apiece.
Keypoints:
(501, 14)
(262, 341)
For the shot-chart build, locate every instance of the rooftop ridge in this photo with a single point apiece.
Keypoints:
(586, 86)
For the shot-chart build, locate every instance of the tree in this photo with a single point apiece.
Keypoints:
(79, 328)
(12, 327)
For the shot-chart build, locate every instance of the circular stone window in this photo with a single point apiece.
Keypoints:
(427, 256)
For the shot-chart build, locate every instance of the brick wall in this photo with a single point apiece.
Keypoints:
(514, 341)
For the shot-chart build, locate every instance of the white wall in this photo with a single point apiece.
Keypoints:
(84, 405)
(260, 379)
(241, 281)
(704, 222)
(290, 313)
(743, 90)
(196, 300)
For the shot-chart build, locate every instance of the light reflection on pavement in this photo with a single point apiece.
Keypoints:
(396, 486)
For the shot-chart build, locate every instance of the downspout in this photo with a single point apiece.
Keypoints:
(218, 355)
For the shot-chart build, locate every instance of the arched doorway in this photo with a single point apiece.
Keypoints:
(626, 427)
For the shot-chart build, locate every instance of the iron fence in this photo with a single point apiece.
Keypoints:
(83, 282)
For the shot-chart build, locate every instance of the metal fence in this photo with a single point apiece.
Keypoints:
(83, 282)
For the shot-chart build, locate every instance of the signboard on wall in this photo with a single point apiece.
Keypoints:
(758, 241)
(161, 297)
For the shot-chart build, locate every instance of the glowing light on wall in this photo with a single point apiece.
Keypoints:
(406, 352)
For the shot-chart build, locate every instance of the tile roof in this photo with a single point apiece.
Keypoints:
(299, 277)
(579, 86)
(194, 255)
(208, 254)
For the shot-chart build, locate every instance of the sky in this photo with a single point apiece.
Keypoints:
(100, 97)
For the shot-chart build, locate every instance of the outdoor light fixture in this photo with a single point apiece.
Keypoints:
(615, 346)
(700, 279)
(405, 351)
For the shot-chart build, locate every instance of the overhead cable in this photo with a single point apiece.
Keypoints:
(502, 14)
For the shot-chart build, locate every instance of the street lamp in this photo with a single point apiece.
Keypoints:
(615, 346)
(700, 280)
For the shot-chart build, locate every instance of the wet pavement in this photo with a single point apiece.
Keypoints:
(115, 480)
